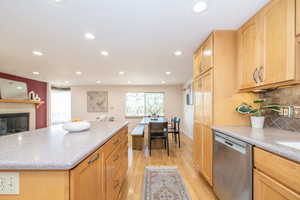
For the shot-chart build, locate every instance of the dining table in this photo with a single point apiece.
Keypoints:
(147, 120)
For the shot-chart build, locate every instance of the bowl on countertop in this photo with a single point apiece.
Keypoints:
(76, 126)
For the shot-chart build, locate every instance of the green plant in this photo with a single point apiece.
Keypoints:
(249, 110)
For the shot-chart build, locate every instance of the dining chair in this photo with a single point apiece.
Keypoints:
(176, 130)
(172, 128)
(158, 130)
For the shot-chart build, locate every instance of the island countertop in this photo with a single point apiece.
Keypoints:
(53, 148)
(281, 142)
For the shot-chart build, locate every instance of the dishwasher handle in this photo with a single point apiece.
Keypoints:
(230, 144)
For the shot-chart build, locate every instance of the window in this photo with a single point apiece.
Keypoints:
(144, 104)
(60, 105)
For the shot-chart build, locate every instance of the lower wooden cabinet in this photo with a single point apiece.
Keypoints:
(203, 150)
(86, 179)
(275, 177)
(101, 175)
(266, 188)
(207, 153)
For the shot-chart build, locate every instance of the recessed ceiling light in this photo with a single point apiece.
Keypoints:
(168, 73)
(35, 73)
(78, 72)
(37, 53)
(200, 6)
(163, 82)
(129, 82)
(98, 82)
(89, 36)
(178, 53)
(104, 53)
(67, 82)
(121, 73)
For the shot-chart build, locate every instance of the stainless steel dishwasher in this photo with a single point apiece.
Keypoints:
(232, 168)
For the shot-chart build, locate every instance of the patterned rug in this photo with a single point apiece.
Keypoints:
(164, 183)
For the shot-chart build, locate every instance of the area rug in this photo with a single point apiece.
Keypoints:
(164, 183)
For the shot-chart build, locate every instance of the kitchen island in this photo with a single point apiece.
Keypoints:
(52, 164)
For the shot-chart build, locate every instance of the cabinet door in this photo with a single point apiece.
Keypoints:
(278, 20)
(207, 153)
(196, 64)
(266, 188)
(86, 179)
(248, 54)
(297, 17)
(198, 146)
(206, 60)
(207, 96)
(197, 99)
(113, 174)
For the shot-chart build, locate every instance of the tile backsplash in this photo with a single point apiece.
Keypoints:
(284, 97)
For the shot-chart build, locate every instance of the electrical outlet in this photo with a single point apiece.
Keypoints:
(297, 112)
(286, 111)
(9, 182)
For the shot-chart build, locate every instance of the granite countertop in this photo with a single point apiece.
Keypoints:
(281, 142)
(53, 148)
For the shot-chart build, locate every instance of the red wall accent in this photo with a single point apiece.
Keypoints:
(41, 89)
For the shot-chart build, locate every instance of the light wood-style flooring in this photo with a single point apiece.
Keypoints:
(182, 158)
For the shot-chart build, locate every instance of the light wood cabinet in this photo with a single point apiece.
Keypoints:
(206, 59)
(215, 96)
(207, 138)
(102, 174)
(280, 182)
(267, 48)
(279, 42)
(203, 147)
(196, 64)
(266, 188)
(297, 17)
(248, 54)
(86, 179)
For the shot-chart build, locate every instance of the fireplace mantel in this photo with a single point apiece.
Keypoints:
(37, 103)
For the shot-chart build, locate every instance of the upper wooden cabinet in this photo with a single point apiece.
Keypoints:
(248, 54)
(206, 59)
(196, 64)
(203, 57)
(267, 47)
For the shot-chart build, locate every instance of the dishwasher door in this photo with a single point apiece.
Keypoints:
(232, 168)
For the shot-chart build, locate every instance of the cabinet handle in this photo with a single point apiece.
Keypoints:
(254, 75)
(260, 74)
(116, 185)
(94, 159)
(117, 158)
(116, 142)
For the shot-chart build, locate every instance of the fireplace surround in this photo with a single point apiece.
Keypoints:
(11, 123)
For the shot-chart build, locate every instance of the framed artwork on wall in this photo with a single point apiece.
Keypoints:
(97, 101)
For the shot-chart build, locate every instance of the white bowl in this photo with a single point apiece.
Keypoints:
(76, 126)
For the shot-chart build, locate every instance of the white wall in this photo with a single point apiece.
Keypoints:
(188, 114)
(116, 101)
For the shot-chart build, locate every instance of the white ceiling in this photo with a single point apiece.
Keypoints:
(140, 35)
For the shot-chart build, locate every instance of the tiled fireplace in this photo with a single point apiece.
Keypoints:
(11, 123)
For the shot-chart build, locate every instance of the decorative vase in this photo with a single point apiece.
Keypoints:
(257, 122)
